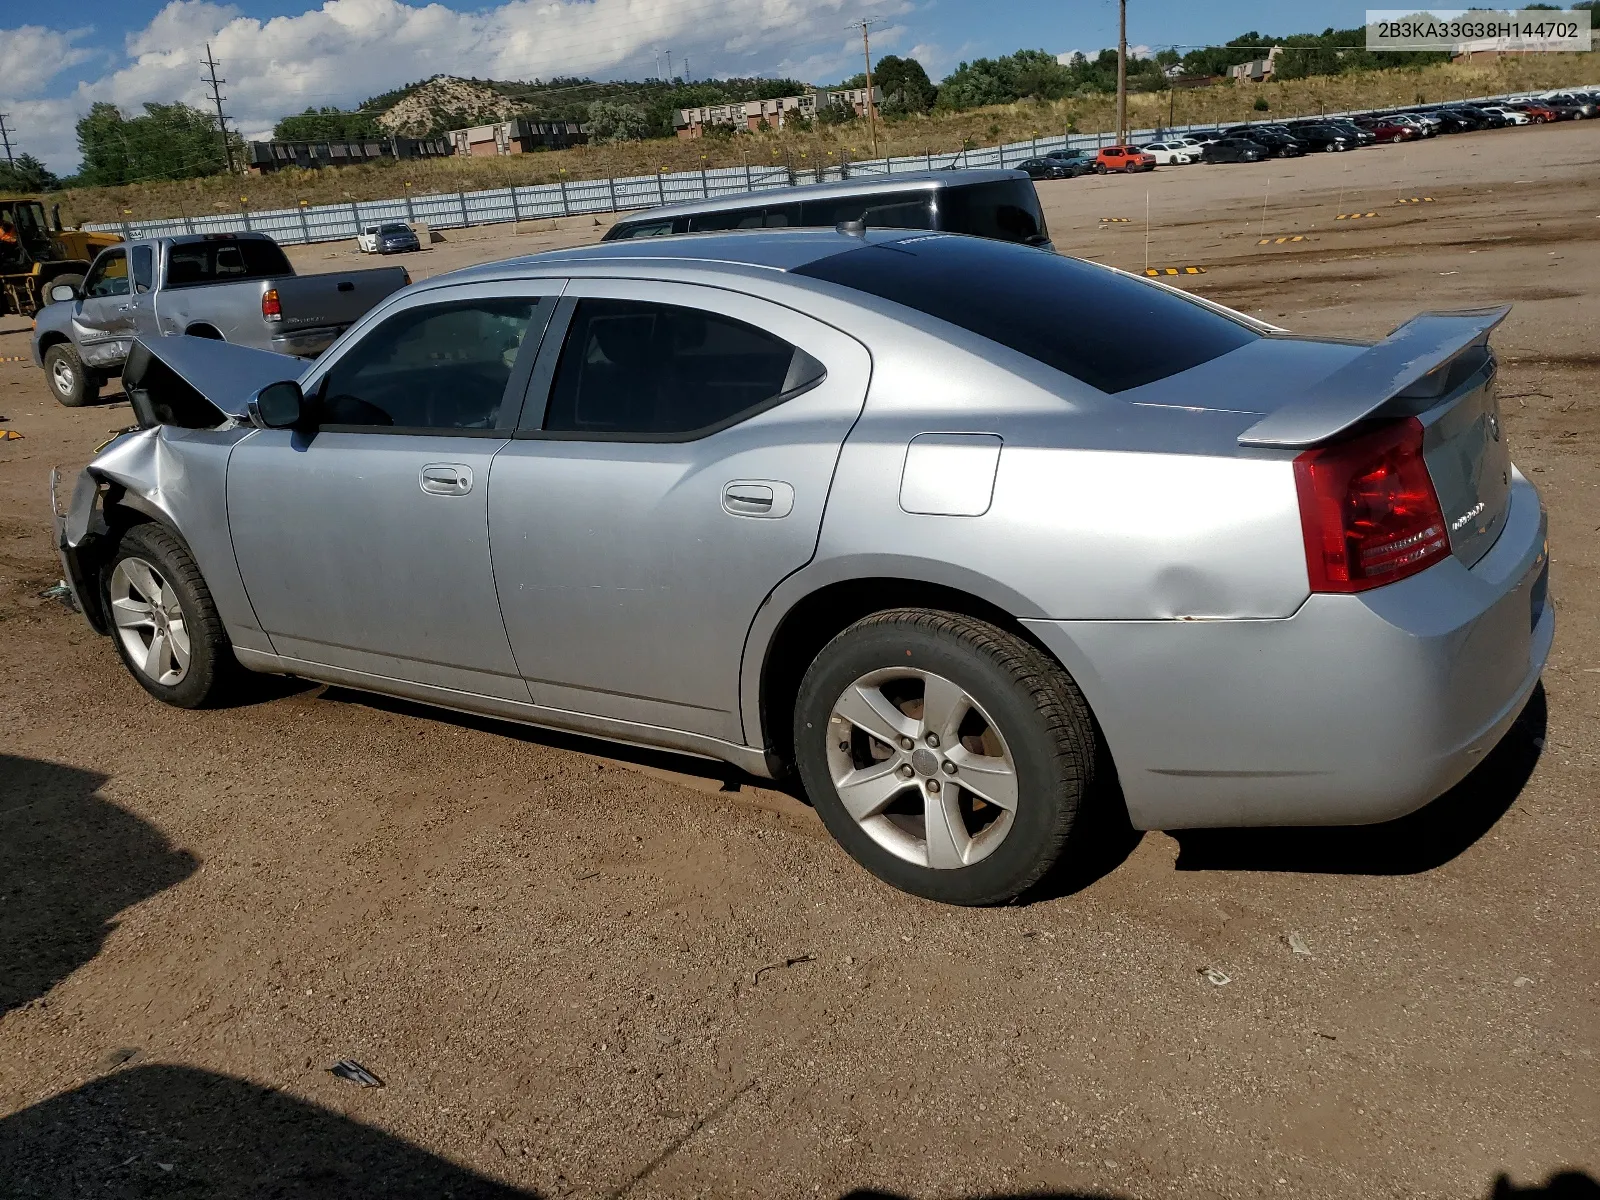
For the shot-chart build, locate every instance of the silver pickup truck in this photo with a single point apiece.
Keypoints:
(231, 287)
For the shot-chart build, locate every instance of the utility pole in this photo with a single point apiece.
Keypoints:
(218, 98)
(658, 66)
(864, 25)
(686, 76)
(1122, 72)
(5, 136)
(669, 66)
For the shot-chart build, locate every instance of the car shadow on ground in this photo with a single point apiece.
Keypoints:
(69, 862)
(177, 1131)
(1427, 838)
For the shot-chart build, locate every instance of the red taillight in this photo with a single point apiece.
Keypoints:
(1368, 510)
(271, 310)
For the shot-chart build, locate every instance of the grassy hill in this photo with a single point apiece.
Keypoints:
(936, 132)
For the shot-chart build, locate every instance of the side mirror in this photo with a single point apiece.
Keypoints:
(63, 293)
(277, 406)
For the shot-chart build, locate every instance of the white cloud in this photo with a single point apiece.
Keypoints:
(347, 50)
(32, 56)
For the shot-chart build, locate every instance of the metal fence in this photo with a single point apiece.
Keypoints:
(456, 210)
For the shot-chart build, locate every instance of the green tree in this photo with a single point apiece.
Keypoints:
(613, 122)
(328, 125)
(166, 141)
(906, 86)
(27, 174)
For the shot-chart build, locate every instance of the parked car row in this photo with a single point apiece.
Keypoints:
(1329, 135)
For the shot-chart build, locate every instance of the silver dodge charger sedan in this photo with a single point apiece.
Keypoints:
(945, 527)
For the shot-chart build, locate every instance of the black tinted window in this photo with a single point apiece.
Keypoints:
(143, 268)
(905, 211)
(631, 369)
(1008, 211)
(442, 367)
(194, 263)
(1107, 330)
(641, 230)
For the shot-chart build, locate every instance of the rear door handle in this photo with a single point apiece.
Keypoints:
(768, 498)
(446, 479)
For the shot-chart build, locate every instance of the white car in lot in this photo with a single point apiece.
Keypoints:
(1512, 116)
(1171, 153)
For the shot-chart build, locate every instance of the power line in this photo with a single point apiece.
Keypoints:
(5, 136)
(218, 98)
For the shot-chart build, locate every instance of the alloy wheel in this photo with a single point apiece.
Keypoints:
(922, 768)
(62, 377)
(149, 622)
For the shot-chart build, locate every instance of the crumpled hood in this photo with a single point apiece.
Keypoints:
(176, 380)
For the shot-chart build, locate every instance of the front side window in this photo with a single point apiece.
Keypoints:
(645, 229)
(441, 367)
(109, 275)
(631, 370)
(143, 268)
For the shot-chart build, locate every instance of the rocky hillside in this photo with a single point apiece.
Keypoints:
(446, 103)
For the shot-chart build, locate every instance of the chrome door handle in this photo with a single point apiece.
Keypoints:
(757, 498)
(446, 479)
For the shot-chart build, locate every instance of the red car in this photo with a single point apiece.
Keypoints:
(1123, 158)
(1388, 131)
(1537, 113)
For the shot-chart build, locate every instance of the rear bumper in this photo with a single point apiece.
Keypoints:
(307, 343)
(1357, 709)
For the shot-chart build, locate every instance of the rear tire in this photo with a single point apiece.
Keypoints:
(73, 384)
(164, 623)
(973, 720)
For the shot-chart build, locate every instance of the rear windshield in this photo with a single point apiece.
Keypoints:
(195, 263)
(1107, 330)
(395, 229)
(1008, 210)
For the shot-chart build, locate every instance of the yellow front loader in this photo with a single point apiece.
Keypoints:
(34, 255)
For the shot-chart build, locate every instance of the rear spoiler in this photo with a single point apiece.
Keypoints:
(1363, 386)
(198, 383)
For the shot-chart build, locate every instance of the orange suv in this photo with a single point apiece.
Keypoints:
(1123, 158)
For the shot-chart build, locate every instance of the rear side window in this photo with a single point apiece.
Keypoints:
(777, 216)
(143, 268)
(642, 230)
(1007, 211)
(636, 371)
(1109, 331)
(905, 211)
(191, 264)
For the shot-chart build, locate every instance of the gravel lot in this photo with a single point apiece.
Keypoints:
(553, 952)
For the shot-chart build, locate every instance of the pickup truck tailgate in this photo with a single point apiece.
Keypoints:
(335, 299)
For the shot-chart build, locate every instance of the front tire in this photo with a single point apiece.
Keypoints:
(164, 622)
(947, 756)
(72, 383)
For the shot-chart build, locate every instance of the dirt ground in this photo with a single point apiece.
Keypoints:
(554, 952)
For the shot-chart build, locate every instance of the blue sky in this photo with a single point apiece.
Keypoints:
(280, 55)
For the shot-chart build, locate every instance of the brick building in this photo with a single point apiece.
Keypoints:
(516, 136)
(262, 158)
(748, 114)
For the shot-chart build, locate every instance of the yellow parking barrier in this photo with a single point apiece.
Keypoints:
(1115, 220)
(1155, 271)
(1354, 216)
(10, 435)
(17, 358)
(1299, 237)
(1416, 200)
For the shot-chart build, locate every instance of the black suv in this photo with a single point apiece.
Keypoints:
(1319, 136)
